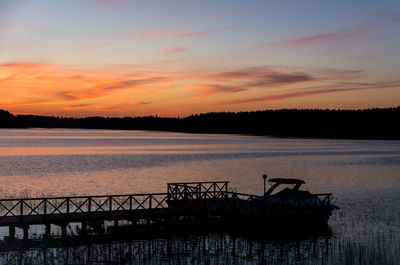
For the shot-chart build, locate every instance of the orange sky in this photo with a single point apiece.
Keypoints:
(191, 59)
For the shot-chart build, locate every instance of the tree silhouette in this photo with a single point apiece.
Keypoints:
(376, 123)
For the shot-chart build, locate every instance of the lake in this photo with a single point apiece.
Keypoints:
(363, 175)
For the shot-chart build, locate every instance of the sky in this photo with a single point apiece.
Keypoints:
(175, 58)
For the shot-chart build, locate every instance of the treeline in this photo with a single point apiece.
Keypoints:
(376, 123)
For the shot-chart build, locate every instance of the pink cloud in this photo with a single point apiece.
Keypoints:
(248, 79)
(156, 34)
(332, 88)
(327, 37)
(340, 74)
(261, 77)
(146, 35)
(286, 95)
(209, 89)
(318, 38)
(171, 50)
(262, 72)
(37, 83)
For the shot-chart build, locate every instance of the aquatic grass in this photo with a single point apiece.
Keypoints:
(356, 239)
(364, 246)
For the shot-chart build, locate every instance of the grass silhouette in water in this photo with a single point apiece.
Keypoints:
(370, 248)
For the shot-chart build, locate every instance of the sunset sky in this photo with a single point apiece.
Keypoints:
(176, 58)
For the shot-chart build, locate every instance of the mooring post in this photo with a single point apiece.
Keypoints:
(265, 183)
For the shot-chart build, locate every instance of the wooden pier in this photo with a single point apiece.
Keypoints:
(182, 201)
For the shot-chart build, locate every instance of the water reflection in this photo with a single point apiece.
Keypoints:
(363, 175)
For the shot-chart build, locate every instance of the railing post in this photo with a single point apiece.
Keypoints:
(185, 195)
(130, 202)
(214, 189)
(67, 206)
(89, 204)
(150, 199)
(148, 214)
(45, 207)
(110, 198)
(21, 208)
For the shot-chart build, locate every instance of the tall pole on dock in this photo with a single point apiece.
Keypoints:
(265, 183)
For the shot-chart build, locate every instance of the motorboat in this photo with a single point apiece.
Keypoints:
(296, 197)
(283, 204)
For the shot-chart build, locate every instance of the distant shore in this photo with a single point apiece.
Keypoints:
(376, 123)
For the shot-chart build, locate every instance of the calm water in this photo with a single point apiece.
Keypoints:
(364, 176)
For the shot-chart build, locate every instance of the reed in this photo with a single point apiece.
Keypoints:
(356, 240)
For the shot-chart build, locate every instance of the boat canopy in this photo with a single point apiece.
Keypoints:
(278, 181)
(287, 181)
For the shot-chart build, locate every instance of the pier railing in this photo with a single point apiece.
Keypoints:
(109, 207)
(19, 210)
(197, 190)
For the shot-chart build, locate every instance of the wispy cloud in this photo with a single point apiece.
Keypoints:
(148, 35)
(324, 37)
(131, 83)
(171, 50)
(319, 38)
(157, 34)
(263, 76)
(332, 88)
(340, 74)
(279, 83)
(53, 87)
(76, 106)
(35, 84)
(250, 78)
(65, 95)
(202, 90)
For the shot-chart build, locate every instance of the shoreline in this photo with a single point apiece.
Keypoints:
(367, 124)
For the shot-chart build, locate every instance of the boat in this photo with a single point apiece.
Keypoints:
(284, 204)
(296, 197)
(287, 203)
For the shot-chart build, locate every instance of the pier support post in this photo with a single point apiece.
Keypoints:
(115, 223)
(84, 228)
(11, 233)
(48, 230)
(26, 232)
(64, 230)
(98, 226)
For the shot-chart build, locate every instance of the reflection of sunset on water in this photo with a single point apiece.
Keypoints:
(81, 162)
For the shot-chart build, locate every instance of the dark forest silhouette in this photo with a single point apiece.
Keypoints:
(376, 123)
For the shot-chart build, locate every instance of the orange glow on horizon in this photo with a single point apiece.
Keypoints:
(46, 89)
